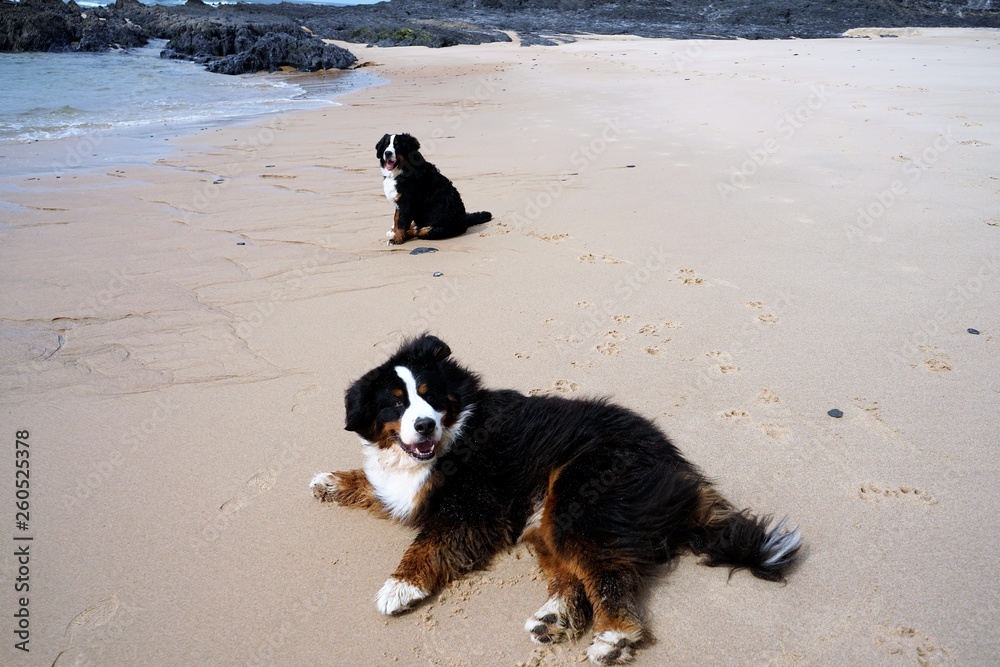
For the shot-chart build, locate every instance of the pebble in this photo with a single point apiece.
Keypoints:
(438, 274)
(422, 249)
(835, 413)
(241, 243)
(974, 332)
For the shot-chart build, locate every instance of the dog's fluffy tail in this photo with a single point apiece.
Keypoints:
(738, 539)
(478, 217)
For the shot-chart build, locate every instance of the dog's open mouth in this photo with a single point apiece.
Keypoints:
(390, 165)
(421, 451)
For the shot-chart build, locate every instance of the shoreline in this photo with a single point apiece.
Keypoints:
(677, 225)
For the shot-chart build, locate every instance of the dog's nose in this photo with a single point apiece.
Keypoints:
(424, 426)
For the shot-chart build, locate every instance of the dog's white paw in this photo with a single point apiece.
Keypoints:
(397, 596)
(613, 647)
(324, 485)
(390, 233)
(551, 623)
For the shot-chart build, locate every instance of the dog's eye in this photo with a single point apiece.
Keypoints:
(397, 404)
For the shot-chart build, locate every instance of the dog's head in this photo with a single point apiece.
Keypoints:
(417, 400)
(397, 152)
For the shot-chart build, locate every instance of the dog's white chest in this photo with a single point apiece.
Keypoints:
(389, 187)
(397, 480)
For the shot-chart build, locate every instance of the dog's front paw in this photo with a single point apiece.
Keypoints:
(324, 485)
(551, 623)
(613, 647)
(397, 596)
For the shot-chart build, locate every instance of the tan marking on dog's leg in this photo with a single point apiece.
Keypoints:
(349, 488)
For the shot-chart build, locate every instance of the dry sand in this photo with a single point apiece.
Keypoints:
(730, 237)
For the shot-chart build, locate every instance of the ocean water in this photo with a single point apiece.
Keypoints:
(59, 95)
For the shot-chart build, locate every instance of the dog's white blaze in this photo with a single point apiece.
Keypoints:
(417, 409)
(389, 175)
(396, 477)
(396, 596)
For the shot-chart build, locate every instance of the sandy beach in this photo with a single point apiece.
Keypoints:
(730, 237)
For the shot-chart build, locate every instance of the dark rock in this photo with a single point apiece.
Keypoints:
(422, 250)
(275, 50)
(974, 332)
(38, 25)
(112, 33)
(835, 413)
(251, 36)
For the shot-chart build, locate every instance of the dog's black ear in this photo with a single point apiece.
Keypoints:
(359, 403)
(407, 143)
(382, 144)
(430, 347)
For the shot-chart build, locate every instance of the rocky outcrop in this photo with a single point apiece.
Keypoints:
(244, 37)
(275, 50)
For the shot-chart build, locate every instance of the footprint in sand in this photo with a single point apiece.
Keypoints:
(730, 369)
(689, 277)
(615, 334)
(937, 365)
(93, 616)
(755, 304)
(253, 487)
(622, 319)
(653, 350)
(879, 493)
(558, 387)
(974, 142)
(916, 647)
(767, 318)
(774, 430)
(550, 238)
(584, 304)
(608, 349)
(992, 222)
(591, 258)
(767, 396)
(739, 416)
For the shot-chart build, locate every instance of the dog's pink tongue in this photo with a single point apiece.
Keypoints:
(425, 447)
(390, 165)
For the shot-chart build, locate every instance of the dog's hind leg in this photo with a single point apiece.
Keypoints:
(613, 590)
(567, 611)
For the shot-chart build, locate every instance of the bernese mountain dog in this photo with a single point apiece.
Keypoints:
(427, 204)
(598, 492)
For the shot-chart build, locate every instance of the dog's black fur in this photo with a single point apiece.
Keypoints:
(428, 205)
(599, 492)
